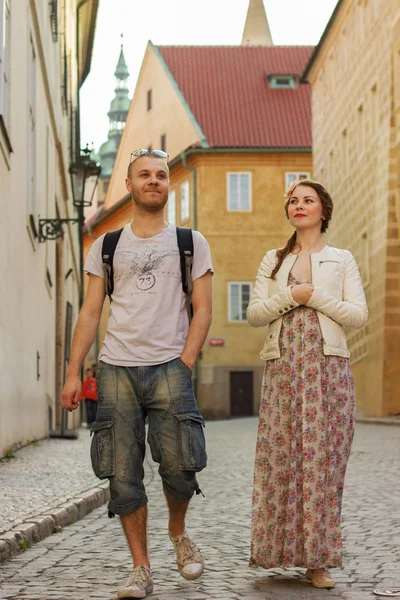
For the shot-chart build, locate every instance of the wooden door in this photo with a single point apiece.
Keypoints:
(241, 393)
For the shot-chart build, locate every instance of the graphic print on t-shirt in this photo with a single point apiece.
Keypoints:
(148, 322)
(145, 268)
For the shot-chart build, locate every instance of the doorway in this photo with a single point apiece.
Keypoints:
(241, 391)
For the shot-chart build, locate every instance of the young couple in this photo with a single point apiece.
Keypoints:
(145, 370)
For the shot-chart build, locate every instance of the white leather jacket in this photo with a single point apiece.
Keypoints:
(338, 298)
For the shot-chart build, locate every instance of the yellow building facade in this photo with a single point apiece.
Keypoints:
(355, 79)
(229, 369)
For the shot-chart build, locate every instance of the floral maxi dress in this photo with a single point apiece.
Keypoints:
(306, 427)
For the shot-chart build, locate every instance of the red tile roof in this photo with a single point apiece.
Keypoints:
(228, 92)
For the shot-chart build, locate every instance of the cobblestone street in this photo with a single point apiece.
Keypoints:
(43, 475)
(90, 559)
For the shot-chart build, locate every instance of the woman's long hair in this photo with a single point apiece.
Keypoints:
(327, 209)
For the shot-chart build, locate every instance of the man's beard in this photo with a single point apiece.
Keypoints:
(151, 206)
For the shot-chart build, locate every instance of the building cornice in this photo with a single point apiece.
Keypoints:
(267, 150)
(85, 50)
(318, 48)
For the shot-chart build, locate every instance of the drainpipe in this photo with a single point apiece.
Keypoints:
(193, 170)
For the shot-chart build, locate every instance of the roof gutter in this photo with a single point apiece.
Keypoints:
(269, 150)
(105, 214)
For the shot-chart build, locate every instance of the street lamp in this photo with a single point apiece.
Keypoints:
(80, 170)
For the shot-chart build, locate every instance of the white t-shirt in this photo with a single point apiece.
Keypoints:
(148, 322)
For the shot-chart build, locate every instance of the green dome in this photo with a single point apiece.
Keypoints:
(109, 148)
(108, 152)
(117, 114)
(119, 106)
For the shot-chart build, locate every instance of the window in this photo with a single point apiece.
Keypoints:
(32, 134)
(239, 191)
(185, 201)
(4, 61)
(396, 77)
(374, 110)
(331, 169)
(292, 176)
(163, 144)
(149, 100)
(172, 208)
(361, 130)
(238, 300)
(54, 19)
(345, 151)
(360, 21)
(282, 81)
(364, 260)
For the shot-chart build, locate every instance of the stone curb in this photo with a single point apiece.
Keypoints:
(24, 535)
(393, 421)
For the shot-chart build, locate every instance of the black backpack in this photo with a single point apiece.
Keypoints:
(186, 252)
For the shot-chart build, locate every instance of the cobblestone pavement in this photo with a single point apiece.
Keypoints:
(90, 559)
(42, 476)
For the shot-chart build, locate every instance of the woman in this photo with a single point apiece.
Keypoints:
(306, 293)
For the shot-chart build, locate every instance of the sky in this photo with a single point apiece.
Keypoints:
(179, 22)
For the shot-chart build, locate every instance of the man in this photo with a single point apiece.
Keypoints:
(144, 369)
(89, 395)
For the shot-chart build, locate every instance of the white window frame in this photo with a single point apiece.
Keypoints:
(171, 208)
(5, 31)
(185, 201)
(291, 176)
(282, 81)
(230, 286)
(229, 177)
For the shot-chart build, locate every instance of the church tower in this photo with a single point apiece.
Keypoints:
(256, 30)
(117, 114)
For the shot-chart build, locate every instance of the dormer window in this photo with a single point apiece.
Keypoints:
(282, 81)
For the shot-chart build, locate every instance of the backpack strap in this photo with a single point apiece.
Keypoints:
(110, 242)
(186, 252)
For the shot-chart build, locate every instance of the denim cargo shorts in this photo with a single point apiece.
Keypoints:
(126, 396)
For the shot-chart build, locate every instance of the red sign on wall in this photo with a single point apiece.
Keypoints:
(216, 342)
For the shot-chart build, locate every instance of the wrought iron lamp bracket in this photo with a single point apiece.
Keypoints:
(52, 229)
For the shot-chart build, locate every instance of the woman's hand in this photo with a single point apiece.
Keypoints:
(302, 292)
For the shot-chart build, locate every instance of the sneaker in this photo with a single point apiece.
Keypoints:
(188, 557)
(138, 585)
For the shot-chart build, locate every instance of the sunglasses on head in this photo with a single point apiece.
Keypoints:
(144, 151)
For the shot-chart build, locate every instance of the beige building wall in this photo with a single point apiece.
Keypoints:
(168, 115)
(37, 279)
(356, 156)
